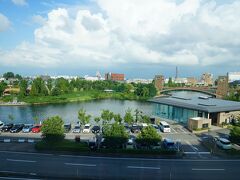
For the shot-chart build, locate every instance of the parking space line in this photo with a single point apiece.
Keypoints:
(75, 164)
(197, 169)
(20, 160)
(173, 130)
(143, 167)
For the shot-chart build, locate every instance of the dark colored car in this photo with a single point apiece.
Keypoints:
(16, 128)
(169, 144)
(7, 127)
(67, 127)
(96, 129)
(135, 128)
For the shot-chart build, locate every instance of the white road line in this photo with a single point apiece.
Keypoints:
(193, 147)
(143, 167)
(197, 153)
(14, 172)
(75, 164)
(197, 169)
(173, 130)
(15, 152)
(20, 160)
(17, 178)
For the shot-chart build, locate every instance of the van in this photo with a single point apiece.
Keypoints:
(164, 127)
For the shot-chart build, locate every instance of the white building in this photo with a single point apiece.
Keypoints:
(143, 81)
(233, 76)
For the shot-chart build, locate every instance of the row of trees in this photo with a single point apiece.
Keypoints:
(235, 132)
(107, 116)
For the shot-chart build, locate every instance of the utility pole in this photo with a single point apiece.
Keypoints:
(176, 73)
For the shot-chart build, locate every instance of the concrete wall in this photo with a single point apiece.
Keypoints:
(226, 117)
(197, 122)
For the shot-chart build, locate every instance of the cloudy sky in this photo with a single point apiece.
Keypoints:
(140, 38)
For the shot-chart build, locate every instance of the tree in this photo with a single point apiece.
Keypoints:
(170, 82)
(97, 119)
(36, 119)
(49, 85)
(115, 135)
(145, 92)
(8, 75)
(235, 135)
(56, 91)
(19, 77)
(38, 88)
(137, 115)
(52, 129)
(117, 118)
(83, 117)
(148, 137)
(3, 86)
(146, 119)
(128, 118)
(23, 88)
(106, 115)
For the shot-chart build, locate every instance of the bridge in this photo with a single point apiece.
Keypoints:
(205, 90)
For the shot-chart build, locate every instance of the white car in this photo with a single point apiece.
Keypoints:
(27, 128)
(87, 128)
(223, 143)
(1, 124)
(164, 126)
(76, 129)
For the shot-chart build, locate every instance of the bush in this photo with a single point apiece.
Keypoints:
(52, 129)
(235, 134)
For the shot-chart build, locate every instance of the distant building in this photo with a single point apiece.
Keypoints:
(233, 76)
(114, 77)
(180, 81)
(222, 86)
(207, 79)
(191, 81)
(143, 81)
(159, 82)
(45, 77)
(91, 78)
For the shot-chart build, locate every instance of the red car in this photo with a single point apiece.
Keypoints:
(36, 129)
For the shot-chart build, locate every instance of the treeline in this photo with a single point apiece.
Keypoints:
(54, 87)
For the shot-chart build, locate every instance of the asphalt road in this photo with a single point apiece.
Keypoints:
(41, 166)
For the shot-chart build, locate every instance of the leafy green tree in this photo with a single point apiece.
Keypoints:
(23, 88)
(83, 117)
(97, 119)
(19, 77)
(38, 88)
(52, 129)
(118, 118)
(148, 137)
(145, 92)
(115, 135)
(56, 91)
(145, 119)
(3, 86)
(170, 82)
(63, 85)
(138, 114)
(128, 117)
(8, 75)
(235, 134)
(106, 116)
(49, 85)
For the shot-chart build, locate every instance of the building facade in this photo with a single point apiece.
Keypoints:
(222, 86)
(159, 82)
(207, 79)
(233, 76)
(182, 109)
(114, 77)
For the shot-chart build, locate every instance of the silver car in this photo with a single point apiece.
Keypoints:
(223, 143)
(27, 128)
(76, 129)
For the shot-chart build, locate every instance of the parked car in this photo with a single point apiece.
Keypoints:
(87, 128)
(36, 128)
(96, 129)
(103, 143)
(156, 127)
(164, 126)
(67, 127)
(169, 144)
(135, 128)
(7, 127)
(131, 144)
(223, 143)
(1, 125)
(27, 128)
(92, 143)
(76, 129)
(16, 128)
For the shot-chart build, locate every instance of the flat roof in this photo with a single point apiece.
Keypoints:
(199, 103)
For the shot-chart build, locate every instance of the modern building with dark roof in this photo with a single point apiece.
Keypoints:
(180, 109)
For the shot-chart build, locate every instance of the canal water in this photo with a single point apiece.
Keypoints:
(68, 111)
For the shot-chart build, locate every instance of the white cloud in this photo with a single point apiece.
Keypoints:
(20, 2)
(38, 19)
(4, 23)
(189, 33)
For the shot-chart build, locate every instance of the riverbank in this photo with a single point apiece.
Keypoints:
(71, 97)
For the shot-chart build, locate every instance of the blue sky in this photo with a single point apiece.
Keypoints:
(139, 38)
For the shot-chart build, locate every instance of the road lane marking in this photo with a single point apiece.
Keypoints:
(143, 167)
(20, 160)
(26, 153)
(173, 130)
(197, 169)
(17, 178)
(197, 153)
(75, 164)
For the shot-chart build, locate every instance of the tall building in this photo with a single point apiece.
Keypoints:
(114, 77)
(233, 76)
(191, 81)
(207, 79)
(159, 82)
(222, 85)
